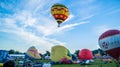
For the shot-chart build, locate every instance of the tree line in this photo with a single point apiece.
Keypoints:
(48, 53)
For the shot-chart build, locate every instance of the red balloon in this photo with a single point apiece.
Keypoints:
(109, 41)
(85, 54)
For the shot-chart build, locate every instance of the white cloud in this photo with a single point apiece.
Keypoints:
(30, 16)
(100, 29)
(25, 17)
(87, 17)
(70, 26)
(29, 38)
(35, 5)
(41, 23)
(113, 11)
(52, 30)
(54, 41)
(85, 9)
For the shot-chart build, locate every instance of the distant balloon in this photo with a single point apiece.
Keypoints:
(1, 64)
(33, 53)
(85, 54)
(60, 13)
(109, 41)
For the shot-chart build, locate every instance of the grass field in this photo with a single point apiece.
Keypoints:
(96, 63)
(92, 65)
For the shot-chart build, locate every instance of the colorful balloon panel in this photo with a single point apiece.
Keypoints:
(1, 64)
(59, 52)
(32, 52)
(109, 41)
(85, 54)
(59, 12)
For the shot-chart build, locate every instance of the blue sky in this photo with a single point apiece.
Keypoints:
(26, 23)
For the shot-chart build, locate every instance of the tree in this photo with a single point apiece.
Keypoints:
(99, 51)
(76, 52)
(11, 51)
(47, 53)
(95, 52)
(102, 52)
(14, 52)
(17, 52)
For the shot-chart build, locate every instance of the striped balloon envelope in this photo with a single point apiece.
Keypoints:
(109, 41)
(60, 12)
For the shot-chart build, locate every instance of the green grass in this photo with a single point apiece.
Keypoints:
(92, 65)
(96, 63)
(45, 61)
(66, 65)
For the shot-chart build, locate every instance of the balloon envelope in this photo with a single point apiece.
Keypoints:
(33, 53)
(109, 41)
(60, 13)
(66, 61)
(85, 54)
(1, 64)
(59, 52)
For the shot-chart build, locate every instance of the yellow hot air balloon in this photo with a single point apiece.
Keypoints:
(59, 52)
(1, 64)
(60, 13)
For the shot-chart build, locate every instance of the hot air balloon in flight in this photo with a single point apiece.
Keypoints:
(60, 13)
(109, 41)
